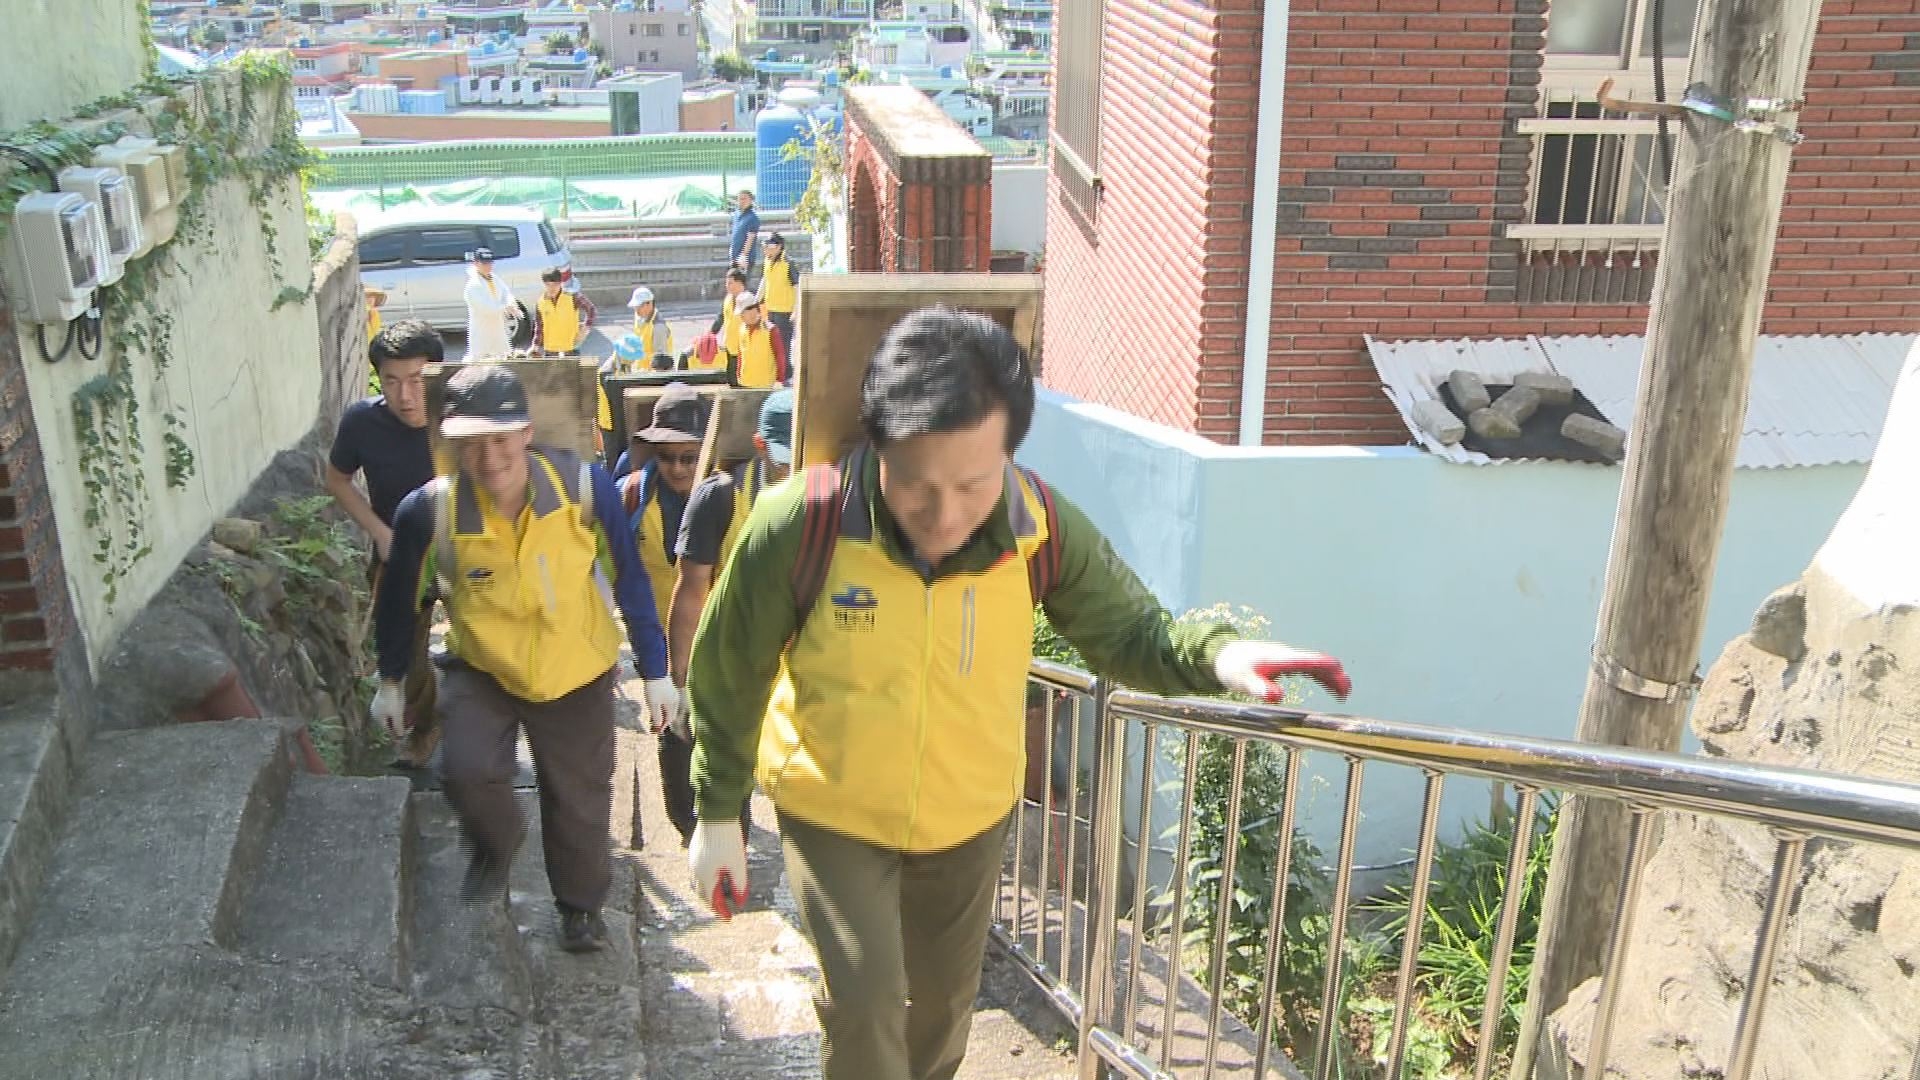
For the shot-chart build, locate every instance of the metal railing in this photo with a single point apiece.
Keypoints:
(1107, 912)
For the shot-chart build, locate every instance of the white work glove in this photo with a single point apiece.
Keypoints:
(1250, 668)
(718, 855)
(665, 708)
(389, 708)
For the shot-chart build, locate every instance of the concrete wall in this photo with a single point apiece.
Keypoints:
(61, 54)
(245, 381)
(425, 127)
(1020, 208)
(341, 312)
(1457, 596)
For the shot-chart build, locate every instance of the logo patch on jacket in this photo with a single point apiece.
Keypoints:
(479, 578)
(854, 607)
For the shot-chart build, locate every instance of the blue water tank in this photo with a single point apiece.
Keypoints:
(778, 184)
(833, 77)
(580, 56)
(487, 49)
(433, 37)
(946, 72)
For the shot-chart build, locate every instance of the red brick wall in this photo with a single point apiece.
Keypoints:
(36, 617)
(1135, 299)
(920, 214)
(1399, 169)
(873, 205)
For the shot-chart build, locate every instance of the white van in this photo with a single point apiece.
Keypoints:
(418, 256)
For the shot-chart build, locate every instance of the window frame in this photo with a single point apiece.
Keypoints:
(1079, 84)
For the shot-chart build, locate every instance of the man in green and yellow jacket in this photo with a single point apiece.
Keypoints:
(893, 746)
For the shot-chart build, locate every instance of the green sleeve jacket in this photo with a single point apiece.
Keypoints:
(1098, 605)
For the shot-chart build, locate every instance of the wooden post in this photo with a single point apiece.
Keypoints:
(1723, 210)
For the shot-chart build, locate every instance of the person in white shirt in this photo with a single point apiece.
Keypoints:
(490, 309)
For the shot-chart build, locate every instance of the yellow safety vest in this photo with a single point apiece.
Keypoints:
(373, 331)
(902, 719)
(559, 323)
(649, 523)
(529, 600)
(759, 367)
(777, 280)
(729, 327)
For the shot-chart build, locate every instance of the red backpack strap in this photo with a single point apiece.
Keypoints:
(820, 528)
(1043, 567)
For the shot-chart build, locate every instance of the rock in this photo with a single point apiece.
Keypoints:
(1845, 992)
(1491, 423)
(1437, 420)
(1780, 626)
(240, 534)
(1469, 391)
(1595, 434)
(1553, 389)
(219, 552)
(1519, 404)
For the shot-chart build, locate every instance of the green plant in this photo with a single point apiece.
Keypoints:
(560, 43)
(730, 67)
(826, 181)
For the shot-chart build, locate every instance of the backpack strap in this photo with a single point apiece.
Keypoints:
(441, 488)
(820, 528)
(1043, 566)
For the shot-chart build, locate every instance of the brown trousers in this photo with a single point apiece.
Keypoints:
(900, 938)
(572, 741)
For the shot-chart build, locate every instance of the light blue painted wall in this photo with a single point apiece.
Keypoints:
(1457, 596)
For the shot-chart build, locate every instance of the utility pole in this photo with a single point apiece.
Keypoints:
(1735, 136)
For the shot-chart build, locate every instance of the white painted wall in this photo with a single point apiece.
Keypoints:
(1020, 208)
(61, 54)
(1458, 596)
(245, 380)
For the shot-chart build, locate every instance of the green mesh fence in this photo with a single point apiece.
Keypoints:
(634, 156)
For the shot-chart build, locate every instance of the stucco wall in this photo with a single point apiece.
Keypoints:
(245, 381)
(61, 54)
(1020, 208)
(341, 313)
(1457, 596)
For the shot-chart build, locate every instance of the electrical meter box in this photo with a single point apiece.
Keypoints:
(54, 255)
(119, 236)
(143, 165)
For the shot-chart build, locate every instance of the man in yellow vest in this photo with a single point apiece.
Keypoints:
(561, 320)
(715, 513)
(520, 543)
(727, 323)
(656, 337)
(896, 590)
(780, 288)
(376, 297)
(763, 352)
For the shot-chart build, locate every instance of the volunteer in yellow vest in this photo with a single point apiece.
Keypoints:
(629, 355)
(780, 288)
(561, 319)
(727, 323)
(763, 353)
(519, 542)
(656, 337)
(711, 525)
(654, 494)
(894, 754)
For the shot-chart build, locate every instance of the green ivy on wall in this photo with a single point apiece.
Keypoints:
(219, 121)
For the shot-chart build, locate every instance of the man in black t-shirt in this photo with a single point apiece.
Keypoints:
(385, 438)
(714, 513)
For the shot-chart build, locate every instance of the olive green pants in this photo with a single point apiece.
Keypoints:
(899, 937)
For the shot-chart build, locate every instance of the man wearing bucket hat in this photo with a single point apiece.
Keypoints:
(525, 544)
(708, 530)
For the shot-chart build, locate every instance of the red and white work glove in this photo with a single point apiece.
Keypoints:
(389, 708)
(718, 855)
(1250, 668)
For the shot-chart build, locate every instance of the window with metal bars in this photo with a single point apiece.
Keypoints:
(1076, 119)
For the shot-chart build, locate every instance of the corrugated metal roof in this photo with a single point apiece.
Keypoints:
(1817, 400)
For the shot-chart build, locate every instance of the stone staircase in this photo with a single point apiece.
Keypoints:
(179, 903)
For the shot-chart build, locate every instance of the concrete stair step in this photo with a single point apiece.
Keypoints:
(36, 780)
(336, 885)
(464, 956)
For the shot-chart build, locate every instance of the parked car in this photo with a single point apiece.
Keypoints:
(418, 255)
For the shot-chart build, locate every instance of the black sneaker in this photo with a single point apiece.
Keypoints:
(486, 880)
(582, 931)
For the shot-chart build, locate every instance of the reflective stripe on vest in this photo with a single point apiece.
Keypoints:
(777, 283)
(559, 323)
(759, 367)
(903, 720)
(528, 600)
